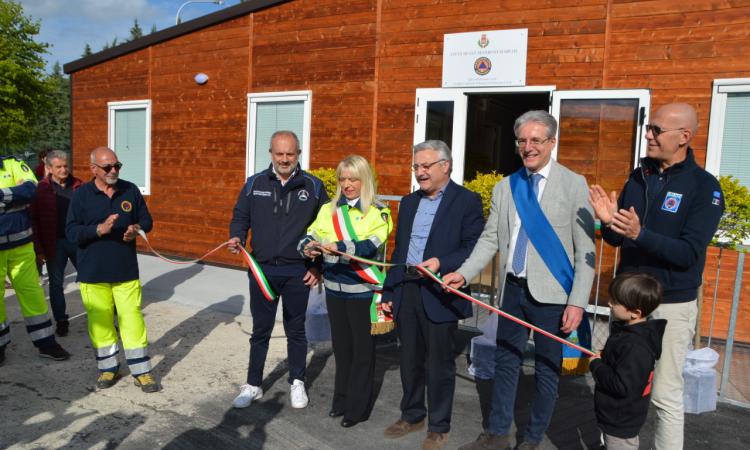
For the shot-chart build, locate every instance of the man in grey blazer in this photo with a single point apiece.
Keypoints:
(548, 288)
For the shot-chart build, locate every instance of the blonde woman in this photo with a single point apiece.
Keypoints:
(356, 224)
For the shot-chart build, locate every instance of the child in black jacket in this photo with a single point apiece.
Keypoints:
(624, 371)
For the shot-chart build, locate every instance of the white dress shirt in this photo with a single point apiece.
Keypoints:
(544, 172)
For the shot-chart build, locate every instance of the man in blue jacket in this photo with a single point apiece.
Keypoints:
(438, 226)
(665, 218)
(277, 205)
(104, 218)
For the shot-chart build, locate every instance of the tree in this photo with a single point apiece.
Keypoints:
(109, 45)
(153, 29)
(87, 51)
(22, 88)
(52, 127)
(135, 31)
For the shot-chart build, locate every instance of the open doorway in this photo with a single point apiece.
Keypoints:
(490, 141)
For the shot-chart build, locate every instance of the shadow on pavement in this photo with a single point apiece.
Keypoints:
(180, 340)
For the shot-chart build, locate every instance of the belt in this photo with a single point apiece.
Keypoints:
(15, 236)
(516, 281)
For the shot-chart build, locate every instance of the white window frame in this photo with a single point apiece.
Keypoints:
(252, 110)
(644, 101)
(112, 107)
(722, 87)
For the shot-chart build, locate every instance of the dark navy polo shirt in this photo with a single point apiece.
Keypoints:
(106, 259)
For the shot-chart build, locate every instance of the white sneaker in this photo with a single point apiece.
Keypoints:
(247, 395)
(297, 394)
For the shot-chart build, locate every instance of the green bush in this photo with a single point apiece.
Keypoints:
(734, 226)
(482, 184)
(328, 176)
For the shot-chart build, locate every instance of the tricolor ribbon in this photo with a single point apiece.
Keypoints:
(271, 295)
(255, 269)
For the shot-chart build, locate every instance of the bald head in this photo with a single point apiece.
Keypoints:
(101, 152)
(670, 131)
(105, 166)
(679, 115)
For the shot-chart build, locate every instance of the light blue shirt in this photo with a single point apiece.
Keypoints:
(420, 230)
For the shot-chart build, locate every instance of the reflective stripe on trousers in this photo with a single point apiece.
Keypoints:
(100, 300)
(19, 265)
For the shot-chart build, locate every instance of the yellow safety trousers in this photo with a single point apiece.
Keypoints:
(100, 301)
(19, 265)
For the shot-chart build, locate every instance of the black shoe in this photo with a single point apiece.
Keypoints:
(335, 413)
(346, 423)
(55, 352)
(62, 328)
(2, 354)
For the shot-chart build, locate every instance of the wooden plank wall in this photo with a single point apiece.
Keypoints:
(363, 60)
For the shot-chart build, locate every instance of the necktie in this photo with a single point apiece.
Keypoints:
(522, 241)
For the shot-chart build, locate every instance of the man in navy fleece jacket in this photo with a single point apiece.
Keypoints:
(664, 219)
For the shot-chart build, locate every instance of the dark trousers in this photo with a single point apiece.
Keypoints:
(294, 294)
(426, 360)
(354, 350)
(64, 251)
(511, 342)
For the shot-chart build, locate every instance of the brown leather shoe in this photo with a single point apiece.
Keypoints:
(401, 428)
(488, 442)
(434, 441)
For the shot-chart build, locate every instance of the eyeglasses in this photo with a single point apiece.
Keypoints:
(656, 130)
(426, 166)
(534, 141)
(108, 168)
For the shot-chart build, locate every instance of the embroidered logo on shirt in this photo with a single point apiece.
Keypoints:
(126, 206)
(717, 198)
(671, 202)
(262, 193)
(303, 195)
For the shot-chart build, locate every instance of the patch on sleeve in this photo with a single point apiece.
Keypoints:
(671, 202)
(717, 198)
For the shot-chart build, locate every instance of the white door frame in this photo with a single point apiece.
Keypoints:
(460, 101)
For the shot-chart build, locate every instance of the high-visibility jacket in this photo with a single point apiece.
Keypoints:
(17, 190)
(17, 257)
(372, 230)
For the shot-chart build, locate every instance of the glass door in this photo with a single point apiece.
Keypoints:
(441, 114)
(601, 133)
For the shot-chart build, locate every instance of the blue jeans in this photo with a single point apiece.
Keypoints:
(64, 251)
(511, 342)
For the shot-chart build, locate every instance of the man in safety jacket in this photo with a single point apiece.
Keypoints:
(277, 205)
(104, 219)
(18, 260)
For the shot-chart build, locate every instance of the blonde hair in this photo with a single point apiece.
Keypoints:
(358, 167)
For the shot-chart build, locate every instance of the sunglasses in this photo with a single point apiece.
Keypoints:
(108, 168)
(656, 130)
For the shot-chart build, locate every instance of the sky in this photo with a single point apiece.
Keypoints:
(68, 25)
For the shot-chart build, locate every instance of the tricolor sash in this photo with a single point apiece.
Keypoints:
(551, 250)
(540, 231)
(342, 225)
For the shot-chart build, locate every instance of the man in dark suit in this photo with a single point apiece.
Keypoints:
(438, 226)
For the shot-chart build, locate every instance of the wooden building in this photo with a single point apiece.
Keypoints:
(365, 76)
